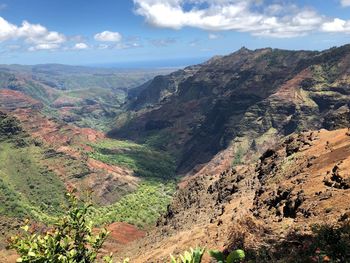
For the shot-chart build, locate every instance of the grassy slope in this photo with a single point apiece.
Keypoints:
(28, 189)
(144, 160)
(157, 169)
(141, 208)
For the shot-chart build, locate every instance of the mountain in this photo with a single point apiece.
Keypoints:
(268, 208)
(248, 150)
(84, 96)
(42, 155)
(241, 101)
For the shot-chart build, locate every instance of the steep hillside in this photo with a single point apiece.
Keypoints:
(87, 97)
(41, 158)
(242, 100)
(301, 182)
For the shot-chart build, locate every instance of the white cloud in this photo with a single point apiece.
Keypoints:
(163, 42)
(128, 45)
(345, 2)
(13, 47)
(80, 46)
(77, 38)
(37, 34)
(7, 30)
(34, 34)
(194, 43)
(103, 46)
(213, 36)
(272, 20)
(337, 25)
(108, 36)
(46, 46)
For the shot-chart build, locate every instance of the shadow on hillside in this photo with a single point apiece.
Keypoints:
(324, 243)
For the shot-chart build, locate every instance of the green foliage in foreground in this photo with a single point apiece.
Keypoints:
(235, 256)
(141, 208)
(70, 241)
(144, 160)
(196, 255)
(192, 256)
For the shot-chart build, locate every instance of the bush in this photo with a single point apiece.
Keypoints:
(70, 241)
(192, 256)
(196, 255)
(235, 256)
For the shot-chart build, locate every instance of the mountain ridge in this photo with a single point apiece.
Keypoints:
(206, 107)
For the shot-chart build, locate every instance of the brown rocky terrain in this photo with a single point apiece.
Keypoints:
(277, 117)
(304, 180)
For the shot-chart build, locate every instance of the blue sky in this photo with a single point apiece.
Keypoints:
(168, 31)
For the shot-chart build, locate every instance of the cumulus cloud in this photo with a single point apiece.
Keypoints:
(7, 30)
(345, 2)
(37, 35)
(108, 36)
(274, 20)
(337, 25)
(80, 46)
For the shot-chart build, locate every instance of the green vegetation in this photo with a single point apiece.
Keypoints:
(70, 241)
(237, 160)
(235, 256)
(141, 208)
(81, 87)
(157, 169)
(27, 187)
(196, 255)
(144, 160)
(192, 256)
(158, 139)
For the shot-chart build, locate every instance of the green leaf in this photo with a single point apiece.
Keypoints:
(236, 256)
(19, 260)
(197, 254)
(31, 254)
(173, 260)
(217, 255)
(25, 228)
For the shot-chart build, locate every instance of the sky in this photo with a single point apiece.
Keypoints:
(163, 32)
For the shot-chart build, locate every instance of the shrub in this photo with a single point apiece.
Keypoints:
(70, 241)
(331, 242)
(192, 256)
(235, 256)
(196, 255)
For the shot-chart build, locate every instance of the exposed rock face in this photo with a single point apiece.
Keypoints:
(200, 110)
(302, 181)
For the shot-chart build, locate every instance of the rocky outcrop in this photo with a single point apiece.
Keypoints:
(300, 182)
